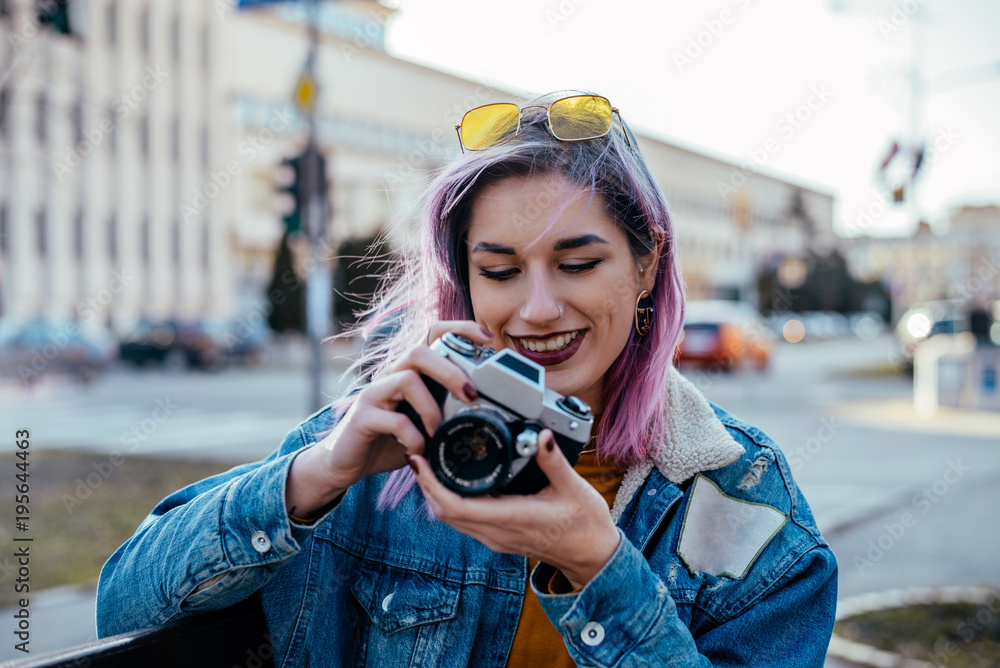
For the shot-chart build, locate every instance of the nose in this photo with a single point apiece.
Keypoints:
(541, 303)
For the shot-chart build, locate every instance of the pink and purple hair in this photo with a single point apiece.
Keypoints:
(433, 284)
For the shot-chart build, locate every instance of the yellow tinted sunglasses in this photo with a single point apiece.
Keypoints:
(573, 118)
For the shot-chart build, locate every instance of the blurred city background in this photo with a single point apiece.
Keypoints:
(195, 194)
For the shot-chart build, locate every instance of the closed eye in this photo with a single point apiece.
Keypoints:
(502, 275)
(580, 268)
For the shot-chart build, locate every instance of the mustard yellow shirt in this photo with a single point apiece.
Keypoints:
(536, 641)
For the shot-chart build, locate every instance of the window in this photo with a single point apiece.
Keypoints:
(175, 241)
(205, 240)
(144, 30)
(203, 141)
(41, 233)
(4, 232)
(77, 114)
(175, 38)
(144, 136)
(41, 109)
(4, 110)
(203, 47)
(112, 22)
(175, 139)
(78, 233)
(144, 239)
(113, 238)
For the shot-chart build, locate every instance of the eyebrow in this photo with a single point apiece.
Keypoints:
(561, 245)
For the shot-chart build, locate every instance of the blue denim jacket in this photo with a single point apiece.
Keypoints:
(720, 564)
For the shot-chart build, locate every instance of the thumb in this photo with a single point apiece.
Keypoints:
(552, 461)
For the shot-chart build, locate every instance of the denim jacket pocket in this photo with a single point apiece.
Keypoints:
(397, 598)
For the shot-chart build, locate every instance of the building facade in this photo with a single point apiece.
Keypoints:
(139, 155)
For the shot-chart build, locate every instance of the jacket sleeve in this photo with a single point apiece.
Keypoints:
(205, 547)
(626, 617)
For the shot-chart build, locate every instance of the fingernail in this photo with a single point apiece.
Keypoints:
(413, 464)
(471, 391)
(486, 332)
(550, 443)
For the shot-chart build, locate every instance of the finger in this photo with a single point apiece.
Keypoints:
(423, 360)
(553, 462)
(410, 387)
(401, 428)
(467, 328)
(448, 505)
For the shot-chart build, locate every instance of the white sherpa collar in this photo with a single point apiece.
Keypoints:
(694, 440)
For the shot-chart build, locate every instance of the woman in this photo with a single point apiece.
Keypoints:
(678, 538)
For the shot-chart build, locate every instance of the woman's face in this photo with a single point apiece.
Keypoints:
(552, 277)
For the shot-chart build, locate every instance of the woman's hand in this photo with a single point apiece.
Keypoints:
(372, 437)
(566, 525)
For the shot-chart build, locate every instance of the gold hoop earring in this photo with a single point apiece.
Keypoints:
(644, 313)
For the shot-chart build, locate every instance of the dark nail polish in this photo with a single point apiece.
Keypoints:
(550, 443)
(486, 332)
(413, 464)
(471, 391)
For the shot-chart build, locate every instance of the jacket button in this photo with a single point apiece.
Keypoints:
(260, 541)
(592, 634)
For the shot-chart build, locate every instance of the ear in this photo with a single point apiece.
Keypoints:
(651, 262)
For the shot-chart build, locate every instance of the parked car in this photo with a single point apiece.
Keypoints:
(190, 343)
(29, 350)
(724, 334)
(246, 341)
(926, 319)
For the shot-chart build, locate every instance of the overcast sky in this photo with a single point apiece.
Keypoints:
(724, 76)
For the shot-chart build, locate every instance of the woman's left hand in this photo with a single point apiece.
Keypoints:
(566, 525)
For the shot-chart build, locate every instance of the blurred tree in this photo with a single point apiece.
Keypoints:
(360, 272)
(285, 293)
(828, 286)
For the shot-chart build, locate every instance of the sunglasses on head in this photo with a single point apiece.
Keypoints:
(572, 118)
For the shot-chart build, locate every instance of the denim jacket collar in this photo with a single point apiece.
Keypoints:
(693, 440)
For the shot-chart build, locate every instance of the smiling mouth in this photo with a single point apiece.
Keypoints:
(551, 344)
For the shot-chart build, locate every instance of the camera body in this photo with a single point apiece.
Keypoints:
(488, 446)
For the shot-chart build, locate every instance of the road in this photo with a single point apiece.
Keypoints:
(903, 501)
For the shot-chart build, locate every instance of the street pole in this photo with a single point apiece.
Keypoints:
(318, 288)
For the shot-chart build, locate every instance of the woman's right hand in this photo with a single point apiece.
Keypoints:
(373, 437)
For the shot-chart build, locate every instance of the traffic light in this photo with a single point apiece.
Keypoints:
(290, 188)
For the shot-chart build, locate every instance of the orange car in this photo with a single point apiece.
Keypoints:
(725, 335)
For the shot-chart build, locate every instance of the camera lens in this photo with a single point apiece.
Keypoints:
(470, 453)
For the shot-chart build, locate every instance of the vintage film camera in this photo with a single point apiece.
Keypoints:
(488, 446)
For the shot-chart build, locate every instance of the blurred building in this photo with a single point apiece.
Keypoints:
(108, 109)
(144, 145)
(961, 264)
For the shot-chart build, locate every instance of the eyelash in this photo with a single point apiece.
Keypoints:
(509, 273)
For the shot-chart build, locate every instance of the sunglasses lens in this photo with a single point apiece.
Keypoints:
(485, 125)
(580, 117)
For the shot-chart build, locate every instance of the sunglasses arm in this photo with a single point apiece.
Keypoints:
(458, 131)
